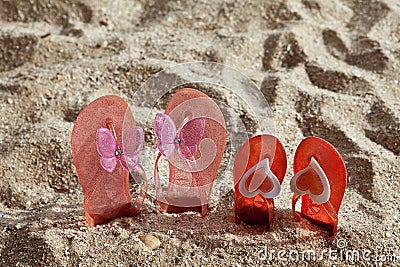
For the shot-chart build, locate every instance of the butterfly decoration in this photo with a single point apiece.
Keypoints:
(263, 181)
(110, 152)
(185, 140)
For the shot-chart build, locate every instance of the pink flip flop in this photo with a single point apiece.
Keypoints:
(105, 146)
(191, 135)
(259, 169)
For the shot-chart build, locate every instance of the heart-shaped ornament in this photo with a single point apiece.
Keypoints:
(312, 180)
(263, 181)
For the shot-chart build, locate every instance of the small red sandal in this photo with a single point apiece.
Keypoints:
(259, 169)
(191, 134)
(105, 147)
(320, 177)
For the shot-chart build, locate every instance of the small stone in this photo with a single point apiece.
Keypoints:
(150, 241)
(19, 226)
(388, 234)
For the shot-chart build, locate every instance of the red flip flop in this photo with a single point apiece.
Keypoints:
(105, 146)
(259, 169)
(320, 177)
(191, 134)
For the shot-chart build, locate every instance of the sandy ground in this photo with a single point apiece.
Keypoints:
(327, 68)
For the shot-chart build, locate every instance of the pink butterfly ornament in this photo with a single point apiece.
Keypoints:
(185, 140)
(110, 152)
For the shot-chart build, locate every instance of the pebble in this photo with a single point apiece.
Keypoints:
(19, 226)
(150, 241)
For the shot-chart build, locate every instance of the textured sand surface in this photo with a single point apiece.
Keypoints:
(327, 68)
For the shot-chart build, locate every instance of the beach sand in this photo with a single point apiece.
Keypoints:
(327, 68)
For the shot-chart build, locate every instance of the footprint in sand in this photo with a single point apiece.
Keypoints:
(364, 52)
(282, 50)
(385, 127)
(16, 50)
(269, 88)
(23, 248)
(365, 14)
(336, 81)
(51, 11)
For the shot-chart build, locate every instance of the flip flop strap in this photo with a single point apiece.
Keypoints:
(296, 215)
(157, 183)
(137, 205)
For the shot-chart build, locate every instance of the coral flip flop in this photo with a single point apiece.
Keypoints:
(259, 169)
(191, 134)
(105, 146)
(320, 178)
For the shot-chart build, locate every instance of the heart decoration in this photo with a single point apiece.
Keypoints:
(263, 181)
(312, 180)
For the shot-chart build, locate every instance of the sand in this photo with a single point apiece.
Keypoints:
(327, 68)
